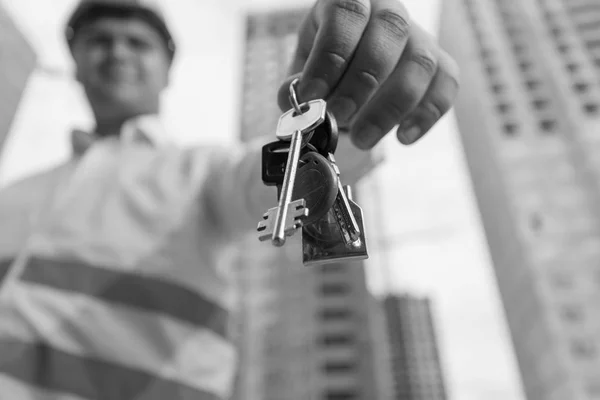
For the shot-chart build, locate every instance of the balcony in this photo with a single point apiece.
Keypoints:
(589, 19)
(578, 6)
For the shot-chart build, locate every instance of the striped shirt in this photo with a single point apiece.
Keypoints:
(114, 269)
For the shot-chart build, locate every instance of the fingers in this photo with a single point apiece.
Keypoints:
(328, 40)
(436, 102)
(306, 38)
(377, 55)
(374, 68)
(400, 95)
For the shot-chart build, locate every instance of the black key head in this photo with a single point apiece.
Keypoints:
(325, 136)
(274, 160)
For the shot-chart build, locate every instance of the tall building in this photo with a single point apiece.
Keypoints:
(415, 360)
(529, 117)
(303, 333)
(17, 61)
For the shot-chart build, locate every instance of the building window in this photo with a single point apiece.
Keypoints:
(572, 313)
(498, 88)
(491, 70)
(340, 395)
(550, 16)
(586, 25)
(505, 12)
(335, 314)
(337, 339)
(584, 349)
(330, 289)
(504, 108)
(519, 48)
(580, 6)
(593, 43)
(562, 280)
(556, 31)
(581, 87)
(591, 108)
(532, 84)
(511, 129)
(338, 367)
(548, 125)
(540, 104)
(525, 66)
(515, 31)
(573, 67)
(480, 35)
(536, 222)
(593, 389)
(564, 48)
(331, 268)
(273, 377)
(486, 54)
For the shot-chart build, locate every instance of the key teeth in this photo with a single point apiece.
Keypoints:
(301, 213)
(300, 219)
(265, 224)
(296, 215)
(265, 237)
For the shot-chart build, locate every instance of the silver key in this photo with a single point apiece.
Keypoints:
(276, 221)
(312, 116)
(343, 212)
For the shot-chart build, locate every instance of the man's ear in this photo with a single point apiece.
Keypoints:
(167, 77)
(78, 76)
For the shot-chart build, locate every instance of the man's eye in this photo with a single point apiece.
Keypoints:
(99, 40)
(139, 44)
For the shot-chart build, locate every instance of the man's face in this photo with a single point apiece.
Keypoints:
(123, 65)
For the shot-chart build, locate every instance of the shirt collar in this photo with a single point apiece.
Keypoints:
(146, 129)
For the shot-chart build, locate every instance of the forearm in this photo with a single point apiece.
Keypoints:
(235, 192)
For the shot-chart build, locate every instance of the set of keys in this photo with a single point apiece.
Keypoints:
(302, 166)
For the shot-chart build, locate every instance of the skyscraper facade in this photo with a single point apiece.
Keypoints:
(303, 333)
(415, 360)
(529, 117)
(17, 61)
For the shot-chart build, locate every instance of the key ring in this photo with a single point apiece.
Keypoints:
(294, 98)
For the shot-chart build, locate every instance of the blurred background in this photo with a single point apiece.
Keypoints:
(484, 274)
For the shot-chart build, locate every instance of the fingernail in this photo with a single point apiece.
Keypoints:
(313, 89)
(365, 136)
(409, 133)
(342, 109)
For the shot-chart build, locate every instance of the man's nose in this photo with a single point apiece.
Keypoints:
(119, 49)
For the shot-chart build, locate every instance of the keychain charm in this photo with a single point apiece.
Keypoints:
(321, 241)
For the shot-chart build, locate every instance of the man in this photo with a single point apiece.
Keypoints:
(115, 284)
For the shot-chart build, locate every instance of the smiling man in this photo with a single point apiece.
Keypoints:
(123, 67)
(117, 286)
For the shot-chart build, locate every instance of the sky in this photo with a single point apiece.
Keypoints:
(424, 231)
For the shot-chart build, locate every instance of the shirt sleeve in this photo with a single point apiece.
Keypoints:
(235, 193)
